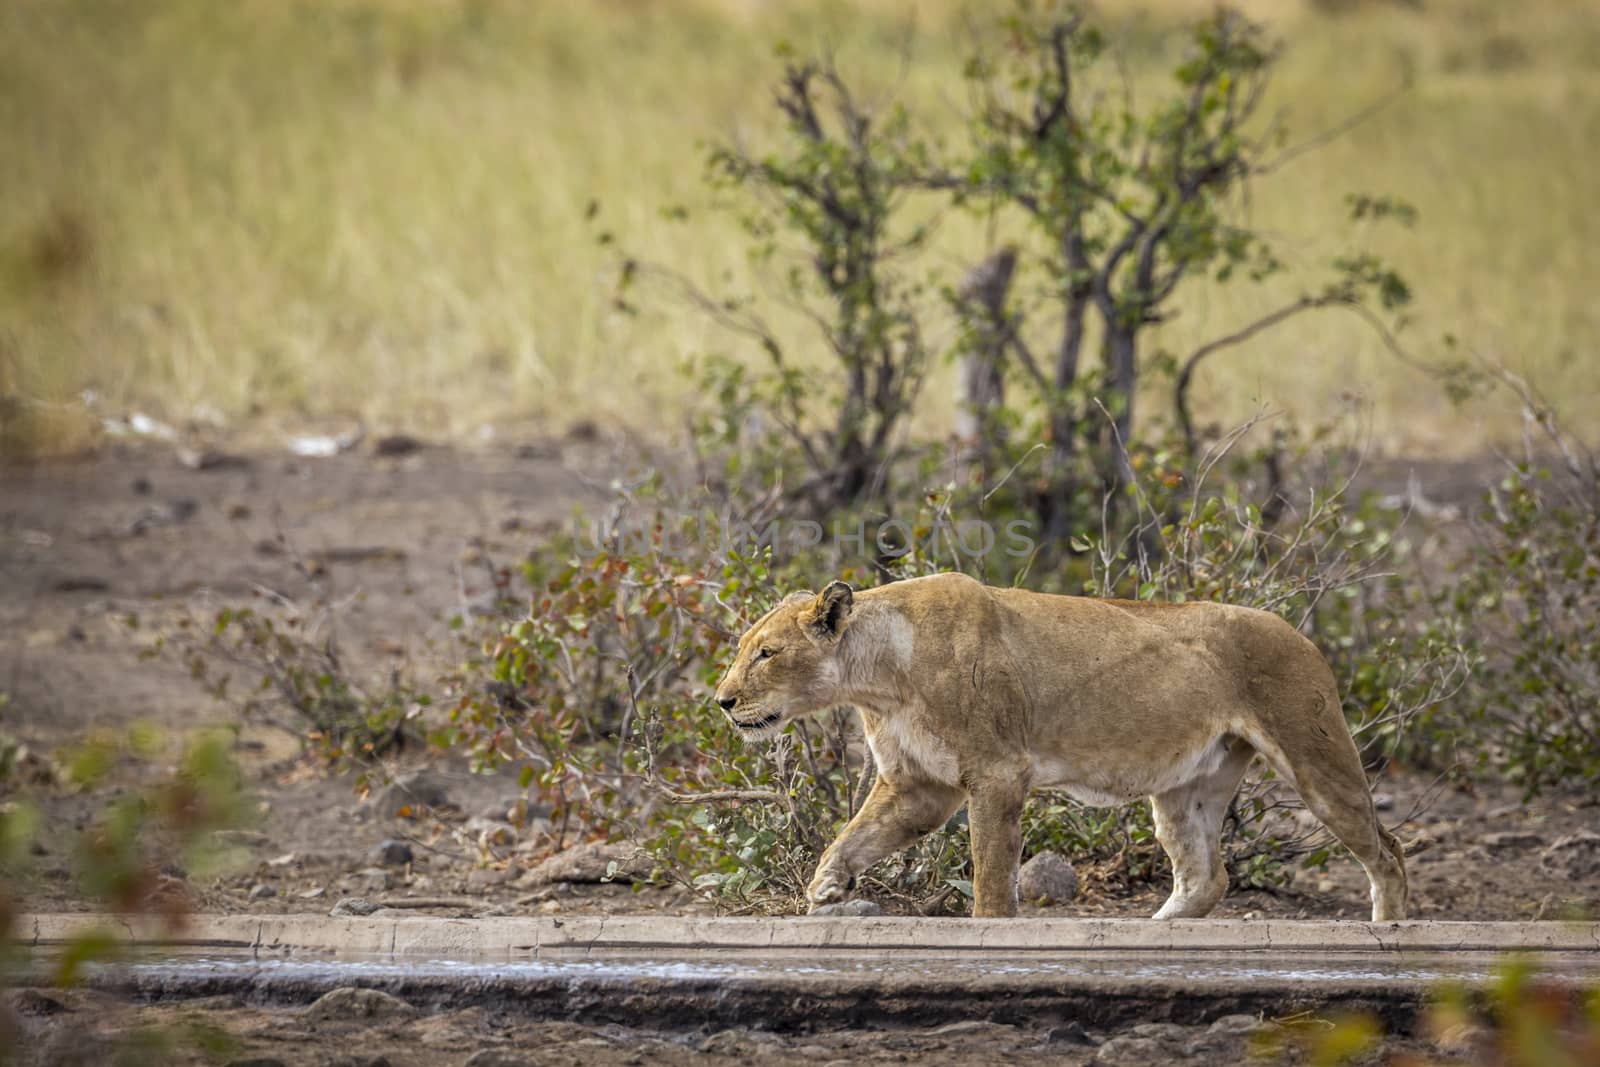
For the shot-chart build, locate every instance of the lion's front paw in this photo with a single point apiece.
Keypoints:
(828, 887)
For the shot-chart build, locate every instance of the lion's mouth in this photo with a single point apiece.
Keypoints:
(766, 722)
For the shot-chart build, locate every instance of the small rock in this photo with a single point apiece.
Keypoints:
(851, 909)
(1575, 856)
(353, 906)
(391, 853)
(588, 864)
(33, 1002)
(313, 893)
(396, 444)
(1383, 801)
(967, 1026)
(262, 891)
(1510, 840)
(288, 859)
(497, 1057)
(726, 1043)
(1048, 879)
(1236, 1024)
(236, 510)
(1071, 1034)
(348, 1002)
(1128, 1050)
(413, 792)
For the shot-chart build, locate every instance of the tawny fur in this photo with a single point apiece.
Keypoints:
(977, 695)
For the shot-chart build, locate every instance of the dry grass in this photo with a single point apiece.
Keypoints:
(289, 210)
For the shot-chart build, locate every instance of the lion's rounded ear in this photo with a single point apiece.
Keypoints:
(829, 610)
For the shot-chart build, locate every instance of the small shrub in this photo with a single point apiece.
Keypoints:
(286, 654)
(1528, 594)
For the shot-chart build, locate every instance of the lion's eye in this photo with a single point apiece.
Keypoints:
(766, 653)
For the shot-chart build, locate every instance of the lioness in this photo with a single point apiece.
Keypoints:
(977, 694)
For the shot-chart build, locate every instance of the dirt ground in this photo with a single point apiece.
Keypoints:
(85, 542)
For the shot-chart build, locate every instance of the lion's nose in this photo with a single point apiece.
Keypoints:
(727, 702)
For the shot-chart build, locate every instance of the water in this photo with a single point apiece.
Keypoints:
(1378, 969)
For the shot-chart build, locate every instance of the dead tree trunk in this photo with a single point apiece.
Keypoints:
(981, 384)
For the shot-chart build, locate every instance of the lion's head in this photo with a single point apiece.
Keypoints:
(787, 664)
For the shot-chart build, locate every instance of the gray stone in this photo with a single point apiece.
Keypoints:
(853, 909)
(969, 1026)
(588, 864)
(1072, 1033)
(391, 853)
(1048, 879)
(1237, 1024)
(1575, 856)
(262, 891)
(497, 1057)
(1133, 1051)
(33, 1002)
(349, 1003)
(353, 906)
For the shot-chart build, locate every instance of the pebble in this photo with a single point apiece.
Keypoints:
(1048, 879)
(497, 1057)
(353, 906)
(1575, 856)
(348, 1002)
(262, 891)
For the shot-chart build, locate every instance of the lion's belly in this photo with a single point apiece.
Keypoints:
(1109, 782)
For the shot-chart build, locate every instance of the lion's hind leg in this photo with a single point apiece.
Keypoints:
(1325, 769)
(1343, 803)
(1188, 822)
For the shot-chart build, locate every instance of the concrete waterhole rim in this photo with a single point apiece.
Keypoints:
(804, 973)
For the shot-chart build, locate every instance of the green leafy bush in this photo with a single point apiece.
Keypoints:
(1528, 594)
